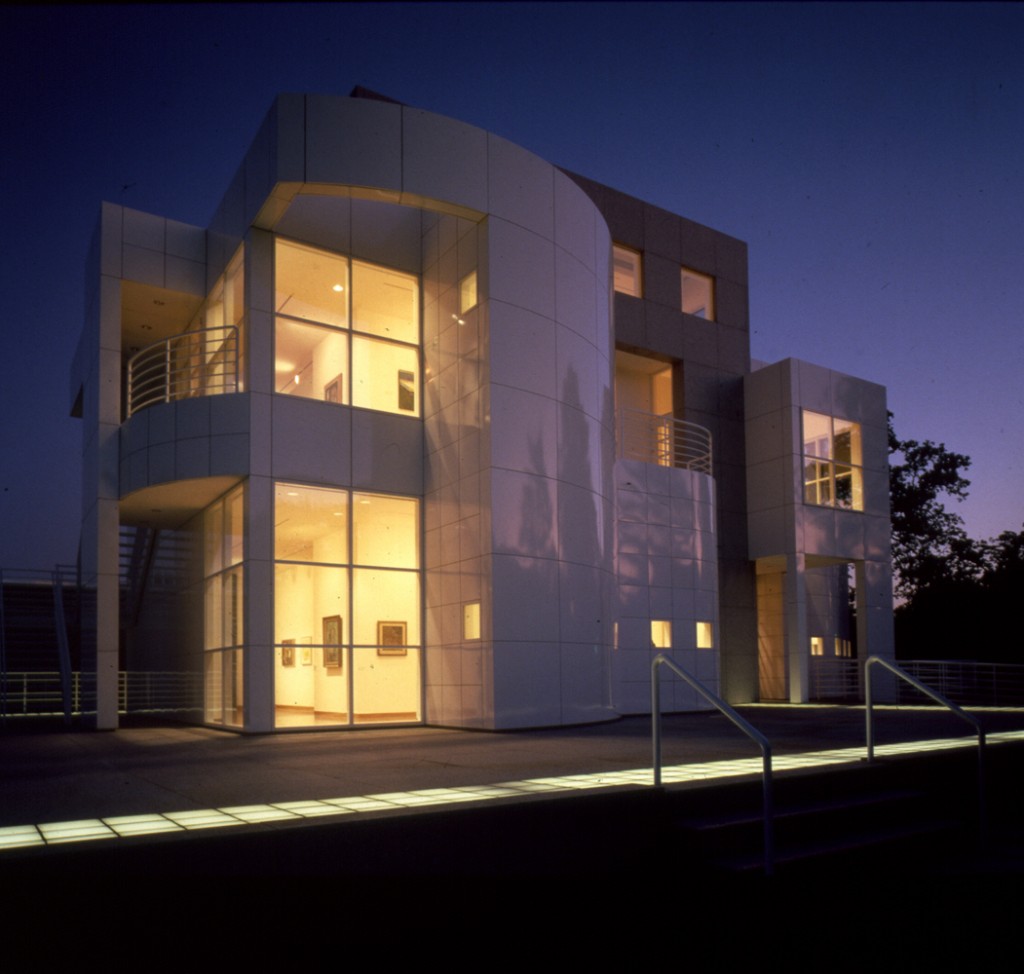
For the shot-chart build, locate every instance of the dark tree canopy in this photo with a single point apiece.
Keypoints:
(929, 543)
(960, 598)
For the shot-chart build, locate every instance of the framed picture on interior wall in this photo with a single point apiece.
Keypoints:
(287, 652)
(306, 655)
(332, 640)
(407, 392)
(391, 639)
(332, 391)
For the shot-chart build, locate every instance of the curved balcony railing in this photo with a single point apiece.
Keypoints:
(664, 440)
(195, 363)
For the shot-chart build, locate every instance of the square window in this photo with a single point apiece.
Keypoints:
(661, 634)
(626, 266)
(698, 294)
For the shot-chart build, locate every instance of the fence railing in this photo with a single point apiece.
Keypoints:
(664, 440)
(967, 681)
(39, 694)
(195, 363)
(835, 679)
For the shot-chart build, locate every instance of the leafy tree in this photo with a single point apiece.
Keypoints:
(929, 544)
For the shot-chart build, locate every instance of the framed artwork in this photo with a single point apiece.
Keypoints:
(307, 655)
(288, 652)
(391, 639)
(333, 389)
(407, 392)
(332, 640)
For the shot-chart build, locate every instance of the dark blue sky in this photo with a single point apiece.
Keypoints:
(872, 156)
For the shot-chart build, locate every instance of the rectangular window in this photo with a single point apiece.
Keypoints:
(661, 634)
(705, 635)
(347, 607)
(627, 271)
(817, 645)
(467, 293)
(346, 331)
(832, 462)
(471, 621)
(698, 294)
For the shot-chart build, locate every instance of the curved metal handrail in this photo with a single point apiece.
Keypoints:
(195, 363)
(664, 440)
(752, 732)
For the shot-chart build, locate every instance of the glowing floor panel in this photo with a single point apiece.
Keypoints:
(85, 830)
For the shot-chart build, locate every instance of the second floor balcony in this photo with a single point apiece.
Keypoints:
(196, 363)
(664, 440)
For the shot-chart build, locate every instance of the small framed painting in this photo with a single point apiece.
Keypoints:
(391, 639)
(332, 640)
(288, 652)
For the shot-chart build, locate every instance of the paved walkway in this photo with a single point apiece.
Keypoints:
(63, 787)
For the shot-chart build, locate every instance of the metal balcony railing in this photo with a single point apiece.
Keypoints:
(195, 363)
(664, 440)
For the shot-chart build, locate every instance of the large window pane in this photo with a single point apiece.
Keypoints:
(311, 284)
(310, 524)
(385, 376)
(310, 361)
(386, 609)
(385, 303)
(385, 531)
(304, 596)
(387, 688)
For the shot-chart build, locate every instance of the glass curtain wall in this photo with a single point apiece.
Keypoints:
(223, 609)
(347, 607)
(346, 331)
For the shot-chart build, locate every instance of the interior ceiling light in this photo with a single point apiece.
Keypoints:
(338, 288)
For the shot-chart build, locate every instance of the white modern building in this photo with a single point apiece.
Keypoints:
(422, 428)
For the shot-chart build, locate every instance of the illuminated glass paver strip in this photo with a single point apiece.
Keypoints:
(85, 830)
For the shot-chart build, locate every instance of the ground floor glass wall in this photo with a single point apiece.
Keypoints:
(223, 609)
(347, 607)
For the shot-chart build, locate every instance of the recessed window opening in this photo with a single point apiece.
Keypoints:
(833, 472)
(661, 633)
(705, 635)
(626, 266)
(698, 294)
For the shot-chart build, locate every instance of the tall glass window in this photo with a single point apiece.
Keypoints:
(346, 331)
(833, 463)
(223, 609)
(347, 607)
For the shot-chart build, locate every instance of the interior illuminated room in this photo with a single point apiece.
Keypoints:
(422, 429)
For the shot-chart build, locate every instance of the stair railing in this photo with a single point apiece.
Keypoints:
(755, 735)
(942, 701)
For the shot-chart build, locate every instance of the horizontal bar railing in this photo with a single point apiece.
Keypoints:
(943, 702)
(41, 694)
(745, 726)
(194, 363)
(664, 440)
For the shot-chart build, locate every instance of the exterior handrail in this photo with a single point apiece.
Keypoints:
(203, 362)
(664, 440)
(755, 735)
(939, 699)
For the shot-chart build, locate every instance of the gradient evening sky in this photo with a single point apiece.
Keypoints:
(872, 156)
